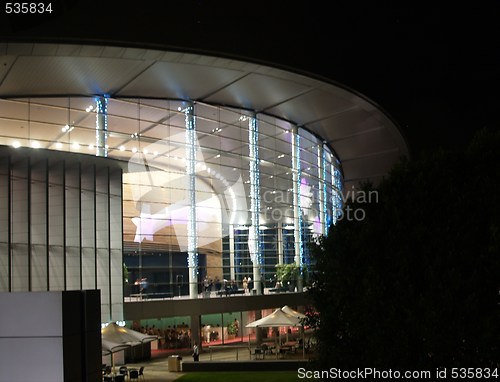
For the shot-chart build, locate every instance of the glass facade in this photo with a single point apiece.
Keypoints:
(225, 191)
(216, 329)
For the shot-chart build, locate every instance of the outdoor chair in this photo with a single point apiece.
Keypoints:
(265, 349)
(141, 373)
(258, 353)
(133, 375)
(123, 370)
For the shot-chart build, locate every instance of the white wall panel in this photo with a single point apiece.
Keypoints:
(73, 226)
(61, 225)
(4, 223)
(20, 225)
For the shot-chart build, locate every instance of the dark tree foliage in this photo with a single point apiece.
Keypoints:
(416, 283)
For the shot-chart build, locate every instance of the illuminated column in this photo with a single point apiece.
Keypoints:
(334, 195)
(337, 184)
(322, 188)
(280, 243)
(297, 211)
(101, 127)
(191, 191)
(231, 252)
(254, 234)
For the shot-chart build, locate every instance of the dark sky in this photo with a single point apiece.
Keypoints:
(434, 68)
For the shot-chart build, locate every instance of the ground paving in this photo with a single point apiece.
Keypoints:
(156, 369)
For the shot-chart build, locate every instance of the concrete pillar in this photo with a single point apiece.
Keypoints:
(258, 331)
(196, 330)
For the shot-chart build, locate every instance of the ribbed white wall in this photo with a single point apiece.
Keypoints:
(61, 224)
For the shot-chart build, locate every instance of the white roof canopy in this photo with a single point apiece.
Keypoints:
(364, 137)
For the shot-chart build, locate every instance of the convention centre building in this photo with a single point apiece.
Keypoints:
(177, 184)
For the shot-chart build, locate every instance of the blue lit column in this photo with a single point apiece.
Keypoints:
(101, 127)
(297, 211)
(334, 194)
(191, 191)
(337, 203)
(254, 234)
(280, 243)
(322, 188)
(232, 275)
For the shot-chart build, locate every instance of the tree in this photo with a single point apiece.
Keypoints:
(287, 274)
(416, 283)
(232, 328)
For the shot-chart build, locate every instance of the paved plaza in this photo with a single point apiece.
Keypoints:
(156, 369)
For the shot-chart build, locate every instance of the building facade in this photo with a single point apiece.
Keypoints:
(146, 172)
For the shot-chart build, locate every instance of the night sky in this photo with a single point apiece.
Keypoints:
(434, 69)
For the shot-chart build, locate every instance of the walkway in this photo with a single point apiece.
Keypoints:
(212, 294)
(156, 369)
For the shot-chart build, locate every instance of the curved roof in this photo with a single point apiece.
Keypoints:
(366, 140)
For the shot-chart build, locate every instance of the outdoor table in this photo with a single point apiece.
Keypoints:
(113, 377)
(291, 344)
(270, 347)
(284, 350)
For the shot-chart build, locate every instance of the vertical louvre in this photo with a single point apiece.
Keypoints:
(5, 218)
(61, 225)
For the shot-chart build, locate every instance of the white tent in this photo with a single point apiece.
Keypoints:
(109, 347)
(300, 316)
(125, 336)
(115, 338)
(276, 319)
(292, 312)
